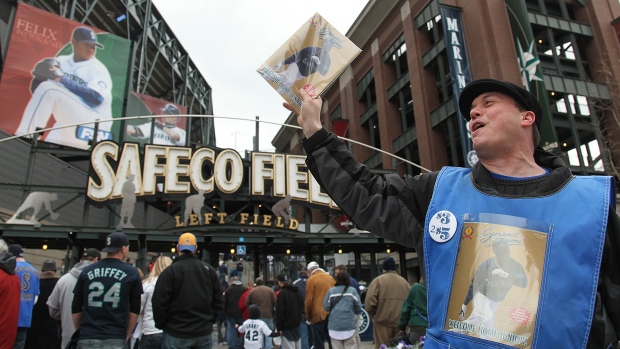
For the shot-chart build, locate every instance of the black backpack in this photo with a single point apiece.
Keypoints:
(239, 266)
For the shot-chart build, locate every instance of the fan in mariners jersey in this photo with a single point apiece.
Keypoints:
(72, 88)
(254, 329)
(164, 134)
(107, 297)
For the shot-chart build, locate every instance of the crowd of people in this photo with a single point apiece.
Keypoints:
(106, 303)
(317, 310)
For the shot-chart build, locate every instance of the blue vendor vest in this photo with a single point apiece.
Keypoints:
(544, 296)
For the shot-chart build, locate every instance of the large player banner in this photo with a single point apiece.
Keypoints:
(169, 129)
(60, 73)
(460, 72)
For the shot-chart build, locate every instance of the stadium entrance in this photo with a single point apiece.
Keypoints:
(265, 210)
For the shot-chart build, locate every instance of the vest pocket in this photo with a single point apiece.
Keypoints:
(431, 342)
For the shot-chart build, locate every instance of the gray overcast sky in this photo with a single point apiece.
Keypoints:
(229, 39)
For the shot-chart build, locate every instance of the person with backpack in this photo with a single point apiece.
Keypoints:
(343, 304)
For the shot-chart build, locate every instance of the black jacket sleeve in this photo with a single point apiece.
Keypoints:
(389, 206)
(281, 307)
(606, 322)
(161, 298)
(217, 303)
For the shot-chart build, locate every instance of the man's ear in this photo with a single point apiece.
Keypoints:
(528, 118)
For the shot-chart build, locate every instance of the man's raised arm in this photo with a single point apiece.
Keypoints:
(310, 118)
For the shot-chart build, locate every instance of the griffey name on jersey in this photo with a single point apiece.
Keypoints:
(107, 272)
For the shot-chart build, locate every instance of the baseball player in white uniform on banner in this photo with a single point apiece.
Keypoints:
(166, 133)
(73, 88)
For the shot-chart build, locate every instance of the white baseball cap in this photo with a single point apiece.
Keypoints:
(312, 265)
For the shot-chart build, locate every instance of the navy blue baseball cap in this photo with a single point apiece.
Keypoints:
(114, 242)
(170, 109)
(86, 35)
(92, 252)
(16, 250)
(522, 96)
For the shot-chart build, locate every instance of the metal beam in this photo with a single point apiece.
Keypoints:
(47, 188)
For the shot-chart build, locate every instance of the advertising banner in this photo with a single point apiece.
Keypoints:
(59, 73)
(460, 72)
(169, 129)
(311, 59)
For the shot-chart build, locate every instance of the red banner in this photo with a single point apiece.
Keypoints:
(170, 129)
(59, 73)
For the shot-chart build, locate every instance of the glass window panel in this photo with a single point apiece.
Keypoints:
(571, 102)
(568, 51)
(561, 106)
(594, 152)
(573, 158)
(584, 109)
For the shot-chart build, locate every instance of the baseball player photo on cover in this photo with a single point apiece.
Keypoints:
(64, 75)
(311, 59)
(497, 280)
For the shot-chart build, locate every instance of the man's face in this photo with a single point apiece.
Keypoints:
(495, 123)
(171, 120)
(83, 51)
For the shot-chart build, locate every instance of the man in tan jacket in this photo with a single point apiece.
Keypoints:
(316, 288)
(385, 297)
(263, 297)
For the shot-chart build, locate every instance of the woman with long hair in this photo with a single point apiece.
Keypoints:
(343, 303)
(151, 335)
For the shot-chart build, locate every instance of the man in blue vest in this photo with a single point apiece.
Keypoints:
(514, 185)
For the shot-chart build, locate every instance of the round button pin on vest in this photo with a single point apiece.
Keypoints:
(442, 226)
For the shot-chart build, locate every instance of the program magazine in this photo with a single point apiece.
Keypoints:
(311, 59)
